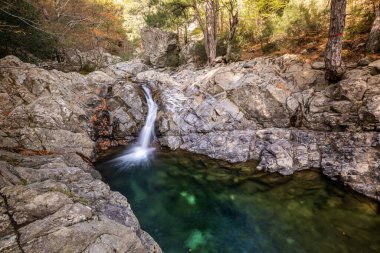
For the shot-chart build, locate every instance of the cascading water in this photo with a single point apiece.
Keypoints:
(147, 132)
(141, 151)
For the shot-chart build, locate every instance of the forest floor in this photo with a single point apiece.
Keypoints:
(312, 49)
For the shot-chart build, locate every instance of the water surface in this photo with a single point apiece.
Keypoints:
(191, 203)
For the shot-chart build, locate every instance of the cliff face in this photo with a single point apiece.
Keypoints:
(51, 199)
(278, 111)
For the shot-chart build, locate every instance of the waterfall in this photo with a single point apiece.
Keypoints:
(147, 133)
(141, 151)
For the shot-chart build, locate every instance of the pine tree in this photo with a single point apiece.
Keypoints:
(335, 68)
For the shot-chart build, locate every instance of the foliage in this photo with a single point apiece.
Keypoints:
(200, 53)
(20, 32)
(173, 60)
(169, 14)
(360, 19)
(44, 27)
(276, 24)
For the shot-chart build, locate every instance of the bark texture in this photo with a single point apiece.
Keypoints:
(335, 68)
(373, 45)
(211, 7)
(234, 20)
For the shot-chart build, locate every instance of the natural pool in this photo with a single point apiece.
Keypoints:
(191, 203)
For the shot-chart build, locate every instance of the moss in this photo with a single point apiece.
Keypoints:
(75, 197)
(87, 68)
(24, 181)
(173, 60)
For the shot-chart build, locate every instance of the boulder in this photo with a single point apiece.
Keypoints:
(188, 52)
(75, 60)
(277, 157)
(127, 69)
(318, 65)
(161, 48)
(375, 67)
(53, 203)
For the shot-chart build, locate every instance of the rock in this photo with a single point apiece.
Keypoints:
(351, 65)
(38, 117)
(228, 80)
(57, 207)
(277, 157)
(75, 60)
(352, 89)
(219, 104)
(219, 59)
(124, 70)
(375, 67)
(160, 47)
(318, 65)
(188, 52)
(51, 198)
(278, 111)
(231, 146)
(364, 62)
(305, 76)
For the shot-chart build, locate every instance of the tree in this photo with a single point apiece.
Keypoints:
(373, 44)
(210, 36)
(233, 22)
(335, 68)
(209, 27)
(21, 32)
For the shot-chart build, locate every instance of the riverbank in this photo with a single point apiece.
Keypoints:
(278, 111)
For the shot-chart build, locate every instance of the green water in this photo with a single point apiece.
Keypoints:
(191, 203)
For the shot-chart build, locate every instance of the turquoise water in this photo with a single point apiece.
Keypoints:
(191, 203)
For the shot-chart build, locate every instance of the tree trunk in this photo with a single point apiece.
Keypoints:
(233, 20)
(186, 35)
(216, 18)
(335, 68)
(221, 28)
(210, 34)
(373, 45)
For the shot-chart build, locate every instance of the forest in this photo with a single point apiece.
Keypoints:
(237, 29)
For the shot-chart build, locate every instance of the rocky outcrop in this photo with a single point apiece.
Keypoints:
(161, 48)
(93, 59)
(278, 111)
(57, 203)
(51, 198)
(86, 61)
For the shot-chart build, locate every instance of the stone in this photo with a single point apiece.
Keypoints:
(58, 207)
(75, 60)
(352, 89)
(124, 70)
(364, 62)
(375, 67)
(318, 65)
(277, 157)
(188, 52)
(228, 80)
(160, 47)
(53, 193)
